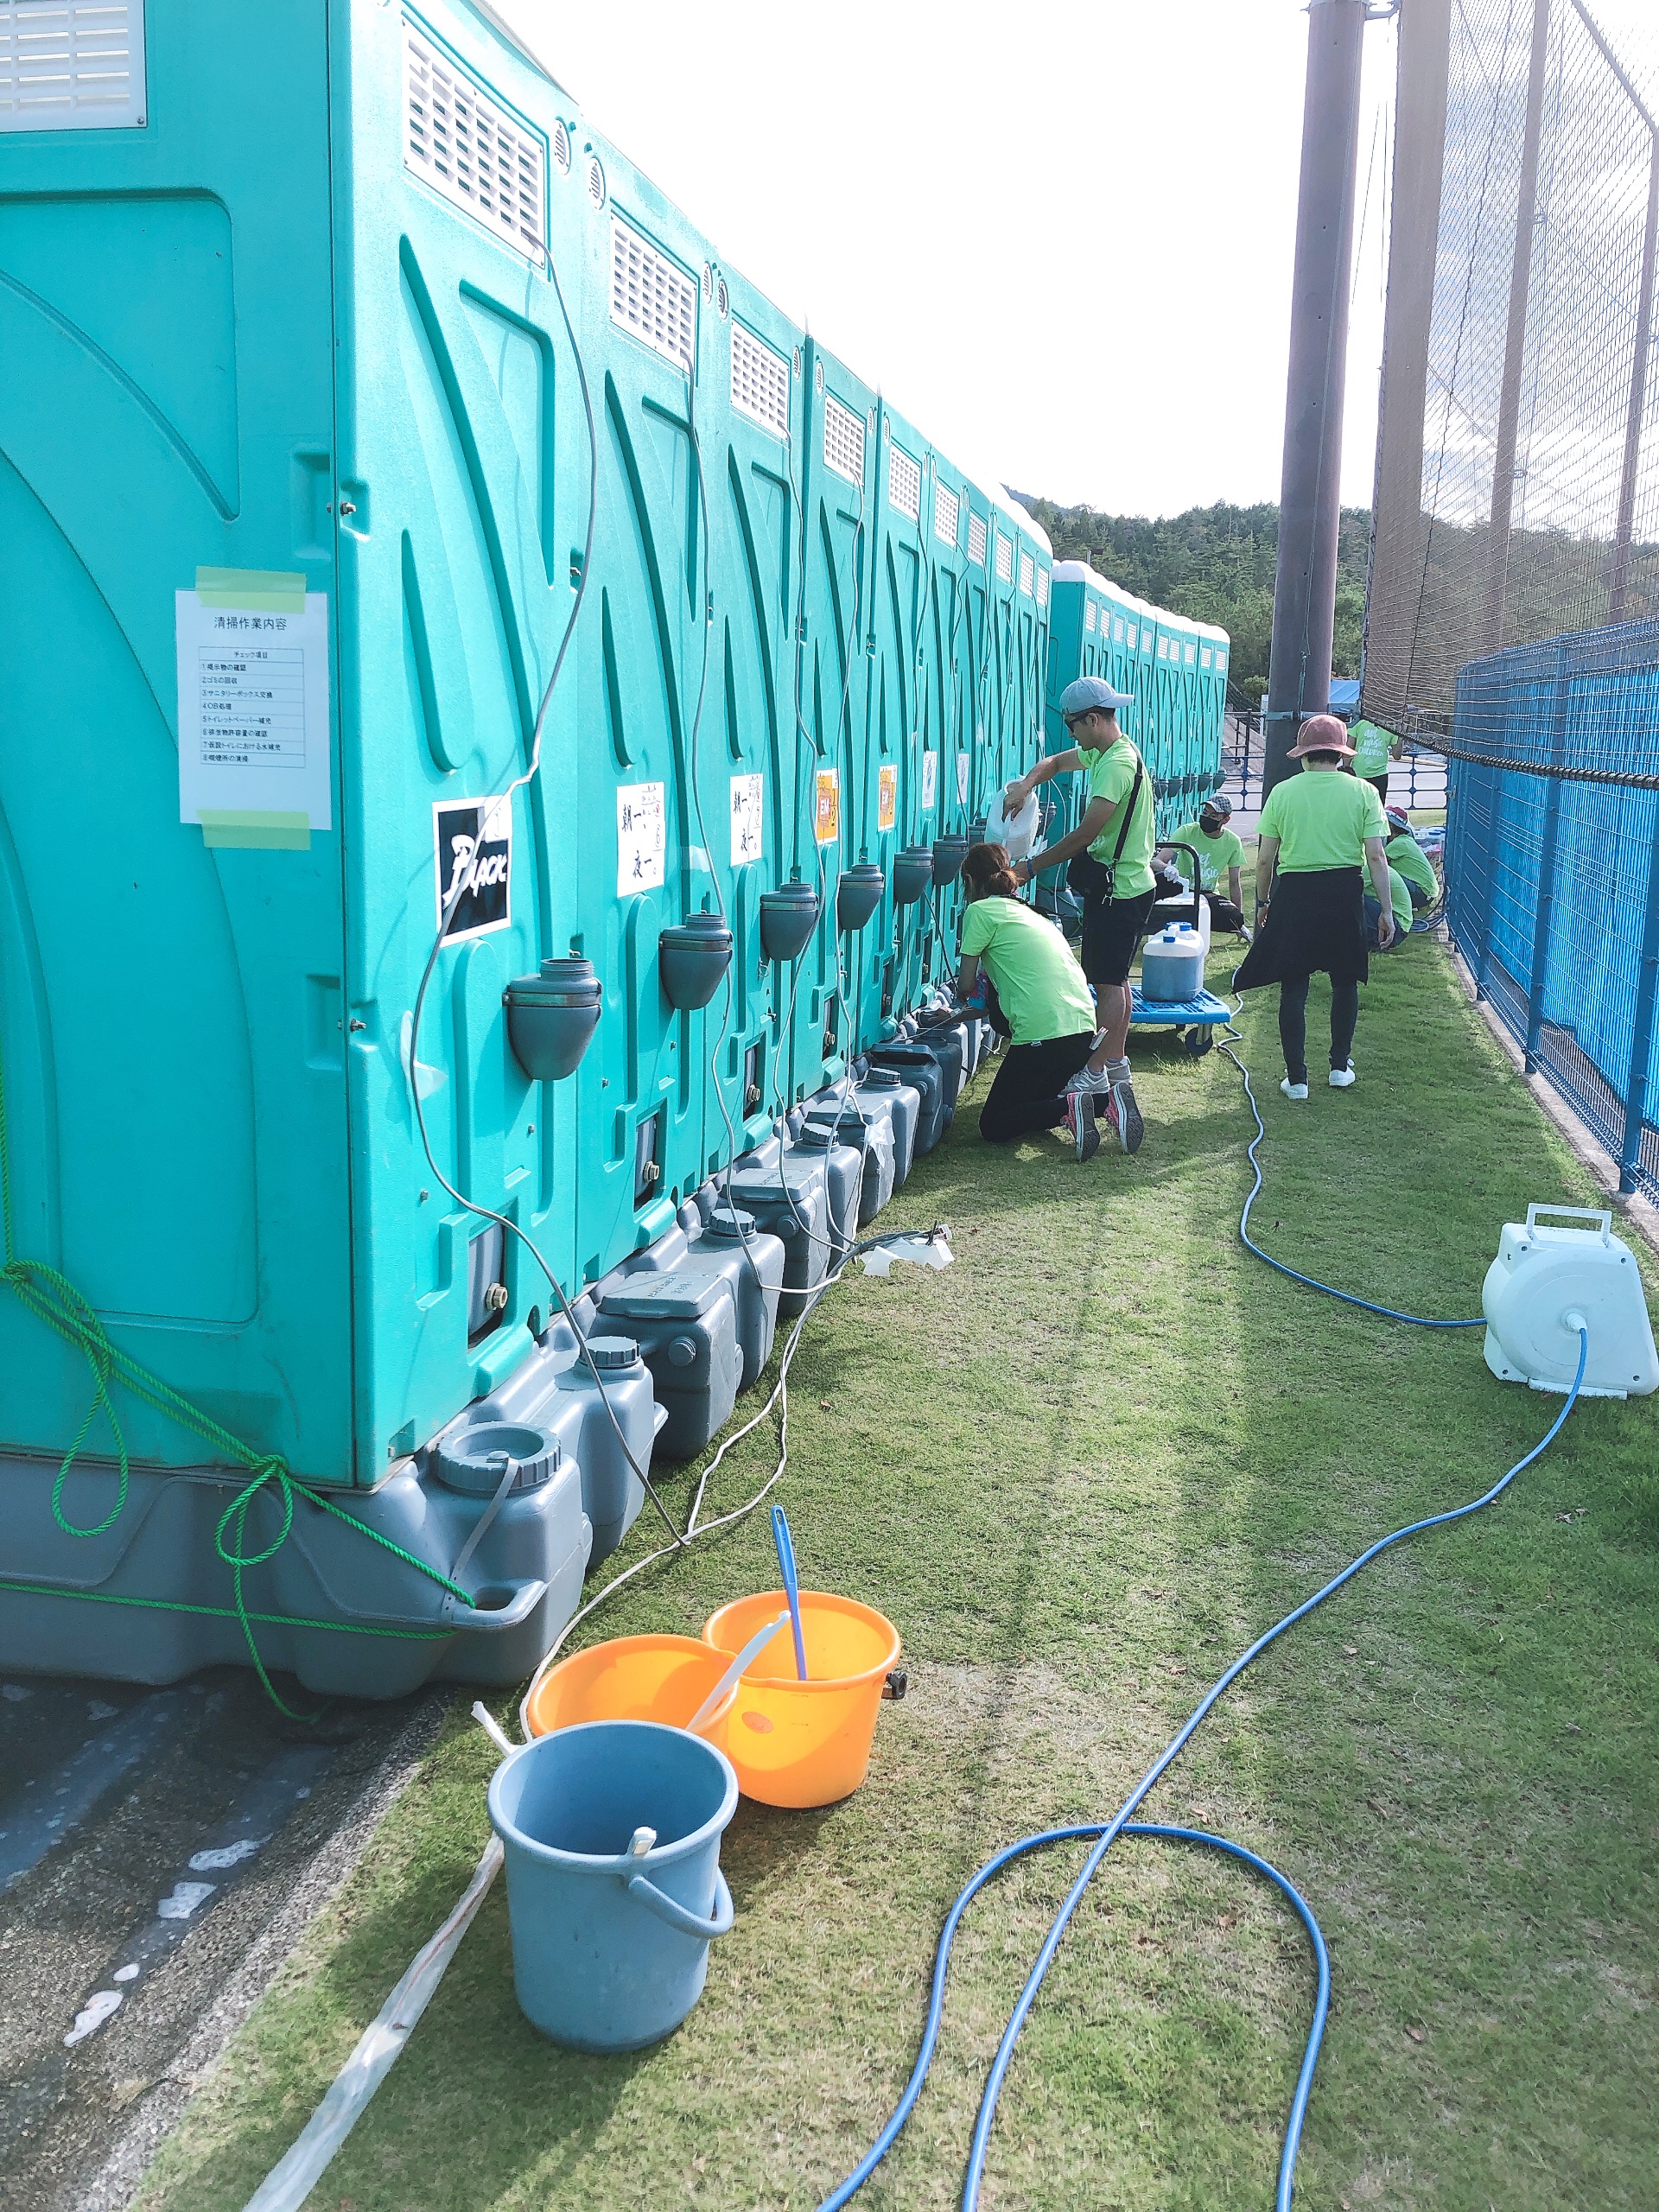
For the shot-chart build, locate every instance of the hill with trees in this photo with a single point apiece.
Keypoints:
(1212, 564)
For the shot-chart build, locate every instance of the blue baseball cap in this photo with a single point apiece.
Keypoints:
(1092, 695)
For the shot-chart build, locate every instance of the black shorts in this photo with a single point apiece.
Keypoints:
(1112, 930)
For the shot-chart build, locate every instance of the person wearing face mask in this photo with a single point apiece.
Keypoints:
(1221, 859)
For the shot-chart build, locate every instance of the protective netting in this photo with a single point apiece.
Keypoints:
(1517, 492)
(1553, 882)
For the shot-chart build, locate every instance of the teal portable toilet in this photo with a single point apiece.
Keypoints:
(913, 709)
(1214, 646)
(747, 805)
(837, 477)
(286, 486)
(324, 445)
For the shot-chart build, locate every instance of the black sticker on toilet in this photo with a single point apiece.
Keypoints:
(474, 859)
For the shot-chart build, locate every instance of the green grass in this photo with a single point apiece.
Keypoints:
(1080, 1470)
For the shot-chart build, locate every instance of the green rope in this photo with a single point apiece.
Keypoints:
(53, 1300)
(220, 1612)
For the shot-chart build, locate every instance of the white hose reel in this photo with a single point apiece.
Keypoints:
(1544, 1285)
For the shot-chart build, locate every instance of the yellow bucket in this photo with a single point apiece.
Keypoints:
(808, 1743)
(662, 1678)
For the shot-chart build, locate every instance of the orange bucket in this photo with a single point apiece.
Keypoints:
(806, 1743)
(662, 1678)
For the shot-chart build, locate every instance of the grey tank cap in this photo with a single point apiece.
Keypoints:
(731, 1222)
(476, 1460)
(612, 1351)
(816, 1136)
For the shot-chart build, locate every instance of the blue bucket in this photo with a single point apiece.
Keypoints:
(610, 1951)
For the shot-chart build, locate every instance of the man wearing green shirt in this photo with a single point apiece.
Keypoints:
(1374, 748)
(1220, 853)
(1108, 859)
(1407, 857)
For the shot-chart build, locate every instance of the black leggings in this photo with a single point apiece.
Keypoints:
(1292, 1024)
(1030, 1087)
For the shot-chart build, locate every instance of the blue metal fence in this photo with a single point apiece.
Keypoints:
(1553, 869)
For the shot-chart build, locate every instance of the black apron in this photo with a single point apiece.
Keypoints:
(1316, 923)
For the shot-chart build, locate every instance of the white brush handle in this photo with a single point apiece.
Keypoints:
(756, 1645)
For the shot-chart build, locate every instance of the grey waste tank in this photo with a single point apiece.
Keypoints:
(869, 1131)
(572, 1497)
(524, 1578)
(885, 1090)
(686, 1324)
(948, 1042)
(700, 1352)
(792, 1203)
(817, 1140)
(715, 1238)
(507, 1495)
(735, 1240)
(557, 1387)
(920, 1069)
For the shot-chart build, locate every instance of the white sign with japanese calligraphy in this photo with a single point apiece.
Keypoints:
(253, 710)
(930, 780)
(748, 801)
(641, 837)
(963, 766)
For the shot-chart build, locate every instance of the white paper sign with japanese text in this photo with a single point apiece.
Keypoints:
(253, 710)
(641, 837)
(748, 801)
(930, 780)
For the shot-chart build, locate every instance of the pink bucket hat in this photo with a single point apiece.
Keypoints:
(1322, 733)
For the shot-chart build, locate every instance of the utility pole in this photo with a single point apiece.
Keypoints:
(1304, 585)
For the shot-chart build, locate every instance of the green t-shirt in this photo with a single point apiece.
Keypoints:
(1399, 900)
(1407, 857)
(1370, 745)
(1036, 973)
(1321, 819)
(1216, 855)
(1110, 775)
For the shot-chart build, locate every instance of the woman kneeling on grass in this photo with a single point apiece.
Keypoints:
(1315, 830)
(1044, 1001)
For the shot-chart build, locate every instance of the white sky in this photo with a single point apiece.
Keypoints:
(1060, 237)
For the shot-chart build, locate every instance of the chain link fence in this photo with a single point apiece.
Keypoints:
(1513, 619)
(1517, 488)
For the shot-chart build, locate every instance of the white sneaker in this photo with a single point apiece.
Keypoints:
(1341, 1078)
(1293, 1090)
(1244, 937)
(1086, 1079)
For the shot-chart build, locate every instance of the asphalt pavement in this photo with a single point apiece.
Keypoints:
(161, 1850)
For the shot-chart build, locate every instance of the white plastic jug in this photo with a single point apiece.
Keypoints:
(1172, 965)
(1016, 835)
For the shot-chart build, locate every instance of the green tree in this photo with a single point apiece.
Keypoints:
(1213, 564)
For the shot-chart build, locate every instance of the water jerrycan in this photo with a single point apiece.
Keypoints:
(1171, 966)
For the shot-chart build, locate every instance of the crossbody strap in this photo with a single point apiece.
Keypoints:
(1128, 810)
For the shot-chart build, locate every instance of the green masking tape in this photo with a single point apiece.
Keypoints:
(265, 831)
(260, 591)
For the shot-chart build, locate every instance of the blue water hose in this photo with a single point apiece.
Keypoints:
(1417, 1320)
(1105, 1834)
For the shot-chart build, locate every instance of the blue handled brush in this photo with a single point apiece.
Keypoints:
(791, 1585)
